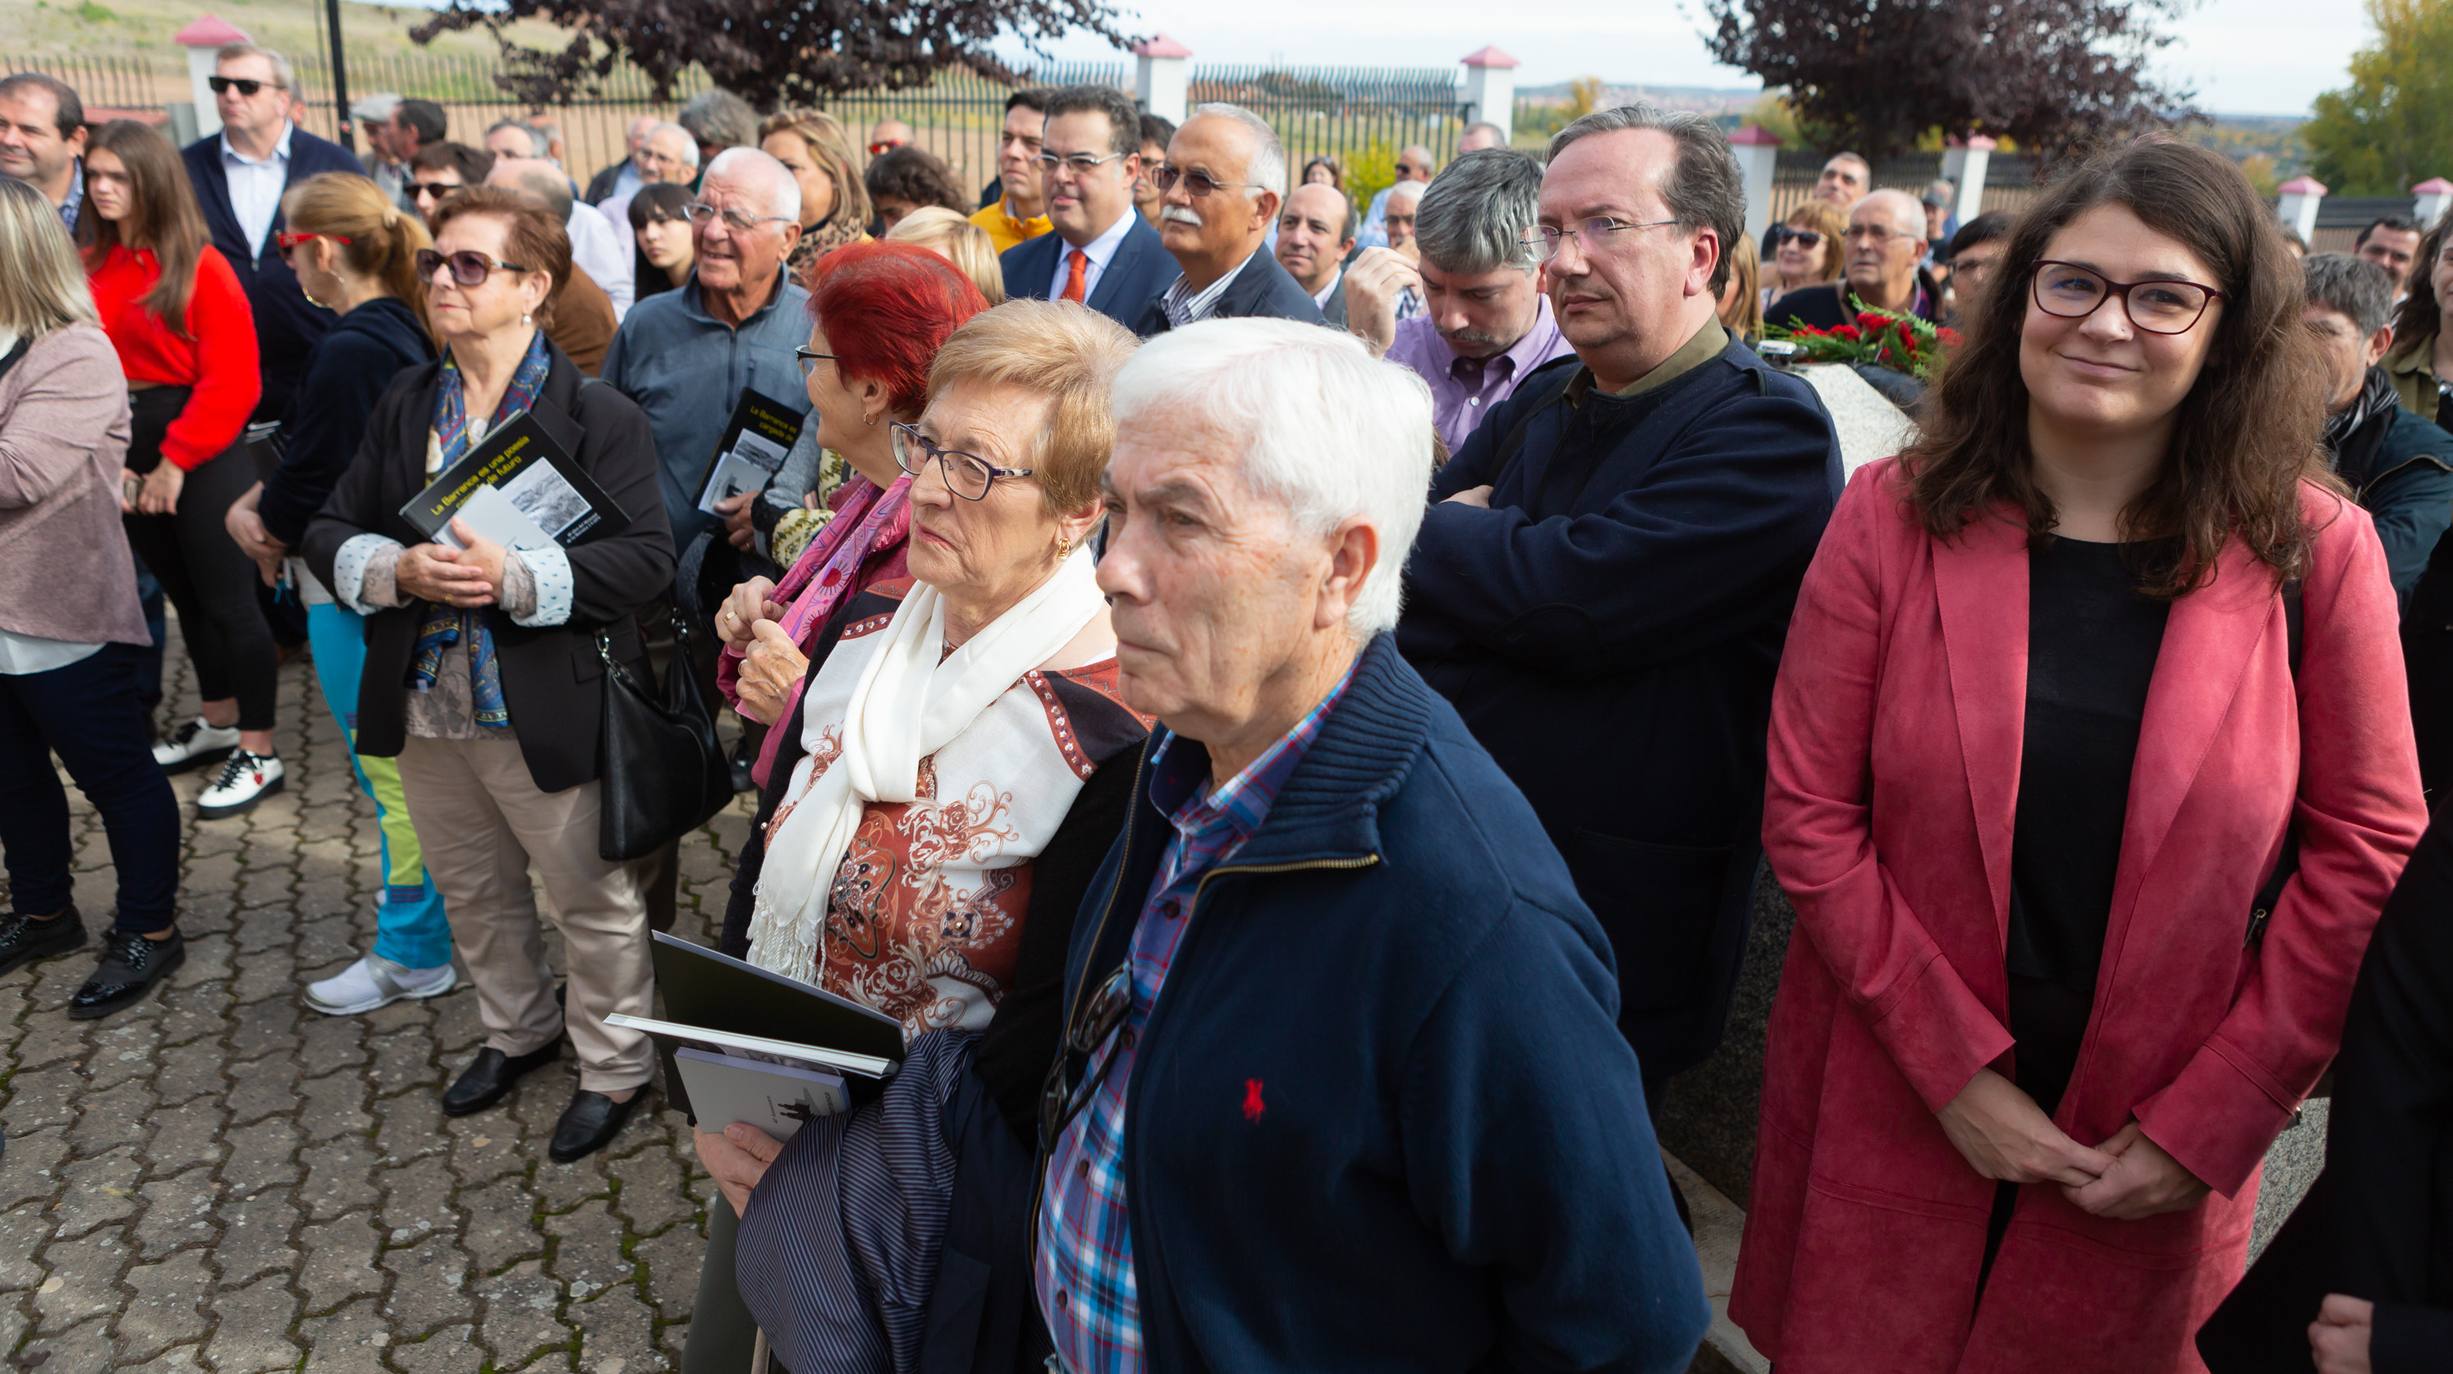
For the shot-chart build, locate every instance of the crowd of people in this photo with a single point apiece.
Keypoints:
(1402, 629)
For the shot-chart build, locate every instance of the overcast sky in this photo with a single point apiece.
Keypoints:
(2243, 56)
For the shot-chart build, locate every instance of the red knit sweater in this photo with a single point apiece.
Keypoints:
(215, 360)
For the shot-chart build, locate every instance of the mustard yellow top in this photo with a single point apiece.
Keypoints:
(1005, 231)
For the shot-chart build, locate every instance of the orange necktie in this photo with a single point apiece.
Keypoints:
(1077, 273)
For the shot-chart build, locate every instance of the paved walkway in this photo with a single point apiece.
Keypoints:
(223, 1180)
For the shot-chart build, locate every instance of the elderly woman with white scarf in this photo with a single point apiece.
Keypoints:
(950, 783)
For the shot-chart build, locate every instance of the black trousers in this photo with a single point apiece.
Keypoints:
(89, 714)
(207, 578)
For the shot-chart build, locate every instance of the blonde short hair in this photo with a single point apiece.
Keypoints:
(1066, 352)
(958, 241)
(42, 285)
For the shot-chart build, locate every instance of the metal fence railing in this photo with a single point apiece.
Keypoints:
(1361, 115)
(2009, 179)
(109, 86)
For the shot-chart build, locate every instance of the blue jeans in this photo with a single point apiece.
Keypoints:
(410, 925)
(89, 715)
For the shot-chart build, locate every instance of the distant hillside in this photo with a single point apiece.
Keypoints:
(141, 29)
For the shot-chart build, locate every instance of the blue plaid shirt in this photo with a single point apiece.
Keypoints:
(1085, 1263)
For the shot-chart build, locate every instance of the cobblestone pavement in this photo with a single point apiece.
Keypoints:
(224, 1180)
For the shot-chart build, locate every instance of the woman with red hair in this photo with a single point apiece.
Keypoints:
(877, 312)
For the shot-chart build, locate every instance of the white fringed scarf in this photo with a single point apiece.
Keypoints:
(911, 701)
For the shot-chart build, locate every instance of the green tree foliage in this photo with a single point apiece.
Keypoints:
(2392, 127)
(772, 53)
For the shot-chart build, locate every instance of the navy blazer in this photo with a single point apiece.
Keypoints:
(287, 328)
(1263, 290)
(1128, 286)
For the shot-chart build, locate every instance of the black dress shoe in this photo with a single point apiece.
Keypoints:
(131, 965)
(24, 939)
(490, 1075)
(590, 1123)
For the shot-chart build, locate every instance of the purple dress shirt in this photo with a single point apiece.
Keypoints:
(1463, 390)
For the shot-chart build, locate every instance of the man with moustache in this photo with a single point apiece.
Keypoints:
(1315, 233)
(1885, 242)
(1603, 581)
(1224, 180)
(1487, 325)
(1102, 254)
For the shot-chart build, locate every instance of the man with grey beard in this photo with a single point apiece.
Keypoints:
(1222, 185)
(1485, 325)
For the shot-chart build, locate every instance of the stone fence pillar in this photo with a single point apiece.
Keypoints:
(2296, 203)
(1757, 149)
(1161, 77)
(1964, 163)
(2431, 198)
(1490, 91)
(202, 39)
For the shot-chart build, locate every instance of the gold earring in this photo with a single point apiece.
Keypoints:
(1064, 547)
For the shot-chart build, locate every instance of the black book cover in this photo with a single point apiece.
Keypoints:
(517, 488)
(753, 447)
(705, 988)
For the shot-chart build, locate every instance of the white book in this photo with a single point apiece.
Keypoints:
(774, 1051)
(778, 1099)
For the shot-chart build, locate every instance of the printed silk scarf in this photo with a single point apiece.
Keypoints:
(444, 626)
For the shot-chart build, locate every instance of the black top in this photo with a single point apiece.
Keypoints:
(2091, 646)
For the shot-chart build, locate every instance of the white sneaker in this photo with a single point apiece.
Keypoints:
(244, 780)
(375, 981)
(195, 744)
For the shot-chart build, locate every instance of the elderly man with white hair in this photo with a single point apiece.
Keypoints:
(1220, 191)
(1884, 243)
(686, 356)
(1384, 1117)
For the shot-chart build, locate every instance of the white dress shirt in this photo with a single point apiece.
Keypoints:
(255, 186)
(598, 249)
(1100, 250)
(1321, 297)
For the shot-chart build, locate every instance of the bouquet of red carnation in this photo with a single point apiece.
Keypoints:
(1881, 338)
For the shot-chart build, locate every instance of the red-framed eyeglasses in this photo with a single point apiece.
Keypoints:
(288, 240)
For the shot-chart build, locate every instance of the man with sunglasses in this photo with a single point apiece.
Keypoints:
(888, 134)
(1414, 164)
(1224, 180)
(1337, 1085)
(1603, 583)
(240, 175)
(1103, 254)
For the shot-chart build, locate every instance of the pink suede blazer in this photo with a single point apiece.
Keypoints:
(1893, 778)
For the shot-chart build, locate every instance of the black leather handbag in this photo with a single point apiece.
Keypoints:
(664, 770)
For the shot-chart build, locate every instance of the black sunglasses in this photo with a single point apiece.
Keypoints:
(468, 266)
(244, 85)
(1060, 1099)
(436, 189)
(1806, 238)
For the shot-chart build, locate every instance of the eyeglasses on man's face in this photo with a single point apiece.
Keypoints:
(967, 475)
(1876, 234)
(738, 220)
(1593, 235)
(2163, 306)
(468, 266)
(246, 86)
(1197, 183)
(1081, 164)
(434, 190)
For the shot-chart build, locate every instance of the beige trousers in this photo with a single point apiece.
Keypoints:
(484, 824)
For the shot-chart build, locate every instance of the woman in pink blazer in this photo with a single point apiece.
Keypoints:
(2044, 731)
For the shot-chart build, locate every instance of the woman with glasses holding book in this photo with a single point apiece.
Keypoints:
(948, 784)
(483, 672)
(2090, 770)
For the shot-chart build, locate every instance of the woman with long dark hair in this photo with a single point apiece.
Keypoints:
(662, 251)
(186, 338)
(2089, 770)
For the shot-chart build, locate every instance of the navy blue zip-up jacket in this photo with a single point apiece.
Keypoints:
(1450, 1166)
(348, 372)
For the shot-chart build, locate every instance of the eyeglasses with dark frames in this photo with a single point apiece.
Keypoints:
(1060, 1098)
(436, 189)
(1803, 238)
(1197, 183)
(2164, 305)
(243, 85)
(809, 359)
(468, 266)
(1543, 242)
(967, 475)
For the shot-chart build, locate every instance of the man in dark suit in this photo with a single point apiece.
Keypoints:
(1884, 244)
(240, 176)
(1315, 233)
(1102, 253)
(1603, 582)
(1224, 181)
